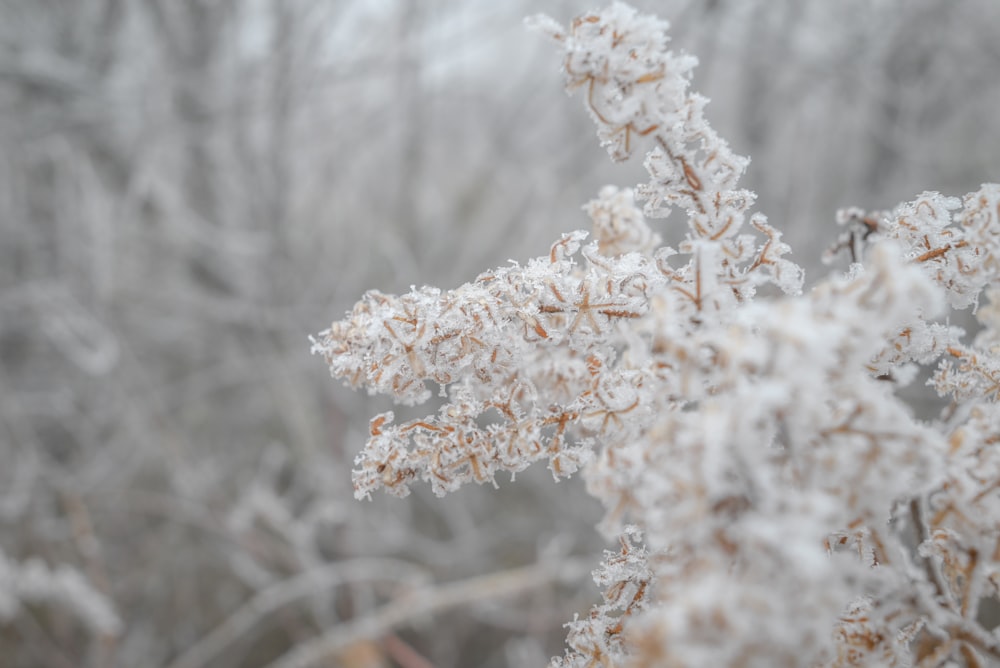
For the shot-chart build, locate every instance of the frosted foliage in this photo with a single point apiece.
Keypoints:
(619, 226)
(776, 501)
(626, 578)
(956, 241)
(65, 589)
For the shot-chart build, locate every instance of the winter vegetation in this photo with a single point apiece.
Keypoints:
(776, 502)
(786, 462)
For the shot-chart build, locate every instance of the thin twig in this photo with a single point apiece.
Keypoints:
(404, 654)
(286, 592)
(923, 535)
(428, 600)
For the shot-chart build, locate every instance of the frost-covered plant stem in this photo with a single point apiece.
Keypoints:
(776, 502)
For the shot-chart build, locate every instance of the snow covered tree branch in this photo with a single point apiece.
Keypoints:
(777, 502)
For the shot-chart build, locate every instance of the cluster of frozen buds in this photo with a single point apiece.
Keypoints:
(777, 503)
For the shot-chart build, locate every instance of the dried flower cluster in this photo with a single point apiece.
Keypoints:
(777, 503)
